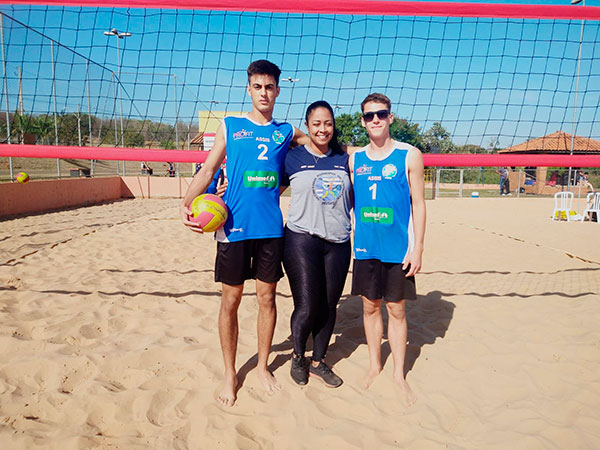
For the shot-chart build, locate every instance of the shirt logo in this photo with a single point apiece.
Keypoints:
(364, 250)
(374, 178)
(278, 137)
(233, 230)
(242, 134)
(374, 214)
(261, 179)
(389, 171)
(328, 187)
(364, 170)
(262, 139)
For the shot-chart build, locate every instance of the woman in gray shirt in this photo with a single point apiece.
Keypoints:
(317, 240)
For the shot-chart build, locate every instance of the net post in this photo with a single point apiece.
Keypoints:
(10, 161)
(55, 114)
(87, 81)
(177, 168)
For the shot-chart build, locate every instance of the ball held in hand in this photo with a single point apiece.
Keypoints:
(209, 211)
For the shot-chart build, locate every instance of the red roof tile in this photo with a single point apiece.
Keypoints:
(559, 142)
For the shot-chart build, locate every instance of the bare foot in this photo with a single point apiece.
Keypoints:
(228, 394)
(268, 381)
(408, 396)
(370, 377)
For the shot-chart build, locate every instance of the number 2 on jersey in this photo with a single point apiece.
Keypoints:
(373, 190)
(263, 155)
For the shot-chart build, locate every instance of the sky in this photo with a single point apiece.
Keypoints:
(481, 78)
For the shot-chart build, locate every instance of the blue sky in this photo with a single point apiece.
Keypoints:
(481, 78)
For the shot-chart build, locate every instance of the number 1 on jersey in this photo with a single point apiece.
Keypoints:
(373, 190)
(263, 155)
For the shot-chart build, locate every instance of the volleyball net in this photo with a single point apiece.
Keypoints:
(150, 80)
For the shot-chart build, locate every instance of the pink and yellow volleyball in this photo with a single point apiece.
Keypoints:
(22, 177)
(209, 211)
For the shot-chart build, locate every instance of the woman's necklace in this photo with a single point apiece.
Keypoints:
(314, 154)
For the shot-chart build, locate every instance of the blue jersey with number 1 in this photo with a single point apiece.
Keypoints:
(382, 206)
(255, 156)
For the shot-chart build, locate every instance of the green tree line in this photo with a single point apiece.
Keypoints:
(74, 128)
(435, 139)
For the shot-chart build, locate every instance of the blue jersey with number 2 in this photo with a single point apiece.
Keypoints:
(255, 156)
(382, 206)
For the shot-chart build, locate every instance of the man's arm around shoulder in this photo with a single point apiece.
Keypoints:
(299, 138)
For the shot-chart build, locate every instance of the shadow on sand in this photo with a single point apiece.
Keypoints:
(428, 318)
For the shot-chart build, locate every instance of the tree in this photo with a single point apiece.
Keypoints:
(3, 132)
(69, 126)
(404, 131)
(438, 138)
(353, 133)
(45, 128)
(470, 148)
(494, 144)
(24, 124)
(134, 139)
(167, 144)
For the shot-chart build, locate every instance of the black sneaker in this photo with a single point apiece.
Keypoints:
(299, 370)
(326, 375)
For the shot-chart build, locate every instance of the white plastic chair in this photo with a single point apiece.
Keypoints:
(592, 206)
(563, 203)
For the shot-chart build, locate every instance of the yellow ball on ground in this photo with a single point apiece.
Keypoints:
(22, 177)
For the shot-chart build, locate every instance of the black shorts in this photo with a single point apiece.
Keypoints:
(374, 280)
(250, 259)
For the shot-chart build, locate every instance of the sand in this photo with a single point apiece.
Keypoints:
(108, 339)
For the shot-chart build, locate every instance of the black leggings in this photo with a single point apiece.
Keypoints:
(316, 270)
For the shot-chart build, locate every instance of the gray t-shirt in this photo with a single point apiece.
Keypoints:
(321, 188)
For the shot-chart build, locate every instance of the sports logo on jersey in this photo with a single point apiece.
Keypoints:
(278, 137)
(364, 170)
(261, 179)
(389, 171)
(242, 134)
(374, 214)
(262, 139)
(328, 187)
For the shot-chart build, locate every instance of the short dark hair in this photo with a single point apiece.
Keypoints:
(334, 143)
(377, 98)
(264, 67)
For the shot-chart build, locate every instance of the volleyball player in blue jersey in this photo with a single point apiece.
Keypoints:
(250, 244)
(389, 221)
(317, 247)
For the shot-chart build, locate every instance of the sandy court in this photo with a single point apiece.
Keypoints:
(108, 339)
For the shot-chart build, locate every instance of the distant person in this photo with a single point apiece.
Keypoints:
(389, 220)
(146, 169)
(171, 169)
(317, 249)
(504, 181)
(585, 181)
